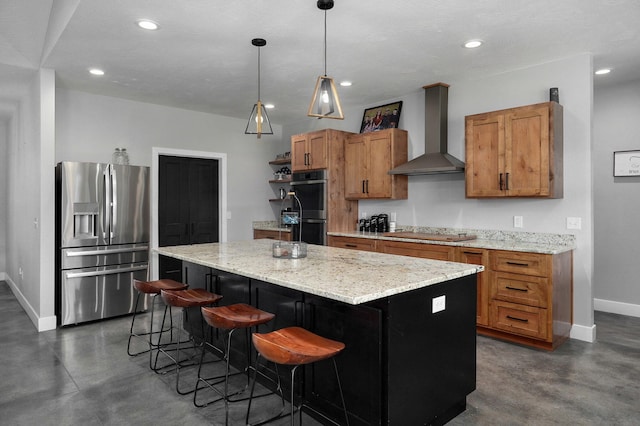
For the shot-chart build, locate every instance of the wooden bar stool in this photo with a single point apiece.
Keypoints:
(191, 298)
(295, 346)
(152, 288)
(229, 319)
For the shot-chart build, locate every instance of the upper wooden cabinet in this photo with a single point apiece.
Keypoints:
(309, 151)
(368, 159)
(515, 152)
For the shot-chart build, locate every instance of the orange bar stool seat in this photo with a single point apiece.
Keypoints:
(295, 346)
(189, 298)
(152, 288)
(229, 319)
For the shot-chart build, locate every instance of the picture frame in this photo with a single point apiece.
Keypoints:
(626, 163)
(381, 117)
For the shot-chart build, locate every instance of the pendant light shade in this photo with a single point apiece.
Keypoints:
(325, 102)
(258, 123)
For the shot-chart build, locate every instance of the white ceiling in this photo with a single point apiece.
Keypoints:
(202, 57)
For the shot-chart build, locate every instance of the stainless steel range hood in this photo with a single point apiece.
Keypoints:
(435, 160)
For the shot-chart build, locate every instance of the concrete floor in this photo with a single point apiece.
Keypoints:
(83, 376)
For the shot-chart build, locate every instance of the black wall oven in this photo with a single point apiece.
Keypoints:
(311, 190)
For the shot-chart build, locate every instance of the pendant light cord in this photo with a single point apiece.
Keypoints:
(325, 42)
(258, 74)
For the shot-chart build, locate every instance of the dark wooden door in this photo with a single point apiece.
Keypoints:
(188, 207)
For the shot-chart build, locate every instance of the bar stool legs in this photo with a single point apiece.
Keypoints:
(228, 318)
(185, 299)
(295, 346)
(152, 288)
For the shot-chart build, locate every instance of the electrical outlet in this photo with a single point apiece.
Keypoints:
(574, 223)
(438, 304)
(517, 221)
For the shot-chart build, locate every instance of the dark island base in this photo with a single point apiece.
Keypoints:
(403, 364)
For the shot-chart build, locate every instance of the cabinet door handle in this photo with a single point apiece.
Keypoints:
(363, 191)
(518, 264)
(472, 252)
(517, 319)
(367, 185)
(351, 245)
(501, 183)
(507, 181)
(516, 288)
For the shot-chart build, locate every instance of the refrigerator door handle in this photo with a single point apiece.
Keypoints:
(102, 252)
(106, 208)
(69, 275)
(113, 202)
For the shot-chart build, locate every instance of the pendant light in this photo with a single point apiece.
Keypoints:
(259, 123)
(325, 102)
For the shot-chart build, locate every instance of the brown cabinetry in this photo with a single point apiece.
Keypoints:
(515, 152)
(525, 298)
(426, 251)
(309, 151)
(478, 257)
(324, 149)
(530, 298)
(366, 244)
(368, 159)
(271, 234)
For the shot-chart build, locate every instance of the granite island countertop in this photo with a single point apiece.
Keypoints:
(349, 276)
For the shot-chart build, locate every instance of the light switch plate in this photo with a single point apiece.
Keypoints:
(574, 223)
(438, 304)
(517, 221)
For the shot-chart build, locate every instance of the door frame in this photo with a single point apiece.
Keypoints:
(156, 152)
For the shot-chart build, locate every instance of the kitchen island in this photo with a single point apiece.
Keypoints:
(408, 323)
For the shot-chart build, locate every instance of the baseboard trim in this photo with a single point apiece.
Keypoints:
(614, 307)
(41, 324)
(583, 332)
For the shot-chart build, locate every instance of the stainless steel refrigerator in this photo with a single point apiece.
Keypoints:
(102, 239)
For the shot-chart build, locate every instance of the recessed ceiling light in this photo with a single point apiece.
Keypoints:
(269, 106)
(96, 71)
(147, 24)
(603, 71)
(345, 83)
(472, 44)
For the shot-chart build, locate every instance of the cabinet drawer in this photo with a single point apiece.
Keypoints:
(519, 319)
(521, 263)
(426, 251)
(516, 288)
(272, 235)
(366, 244)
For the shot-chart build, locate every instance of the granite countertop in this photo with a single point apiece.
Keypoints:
(494, 240)
(350, 276)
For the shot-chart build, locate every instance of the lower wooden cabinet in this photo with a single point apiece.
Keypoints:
(531, 298)
(366, 244)
(525, 298)
(478, 257)
(426, 251)
(271, 235)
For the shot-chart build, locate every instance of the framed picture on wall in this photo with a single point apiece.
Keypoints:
(626, 163)
(381, 117)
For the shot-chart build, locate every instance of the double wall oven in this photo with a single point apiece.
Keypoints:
(311, 189)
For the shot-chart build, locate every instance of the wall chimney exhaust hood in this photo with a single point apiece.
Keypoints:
(435, 159)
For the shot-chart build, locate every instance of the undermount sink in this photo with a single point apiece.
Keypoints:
(433, 237)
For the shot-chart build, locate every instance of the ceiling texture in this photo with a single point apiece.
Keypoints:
(202, 59)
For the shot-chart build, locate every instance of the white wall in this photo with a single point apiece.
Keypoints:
(90, 127)
(29, 200)
(617, 200)
(439, 200)
(4, 177)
